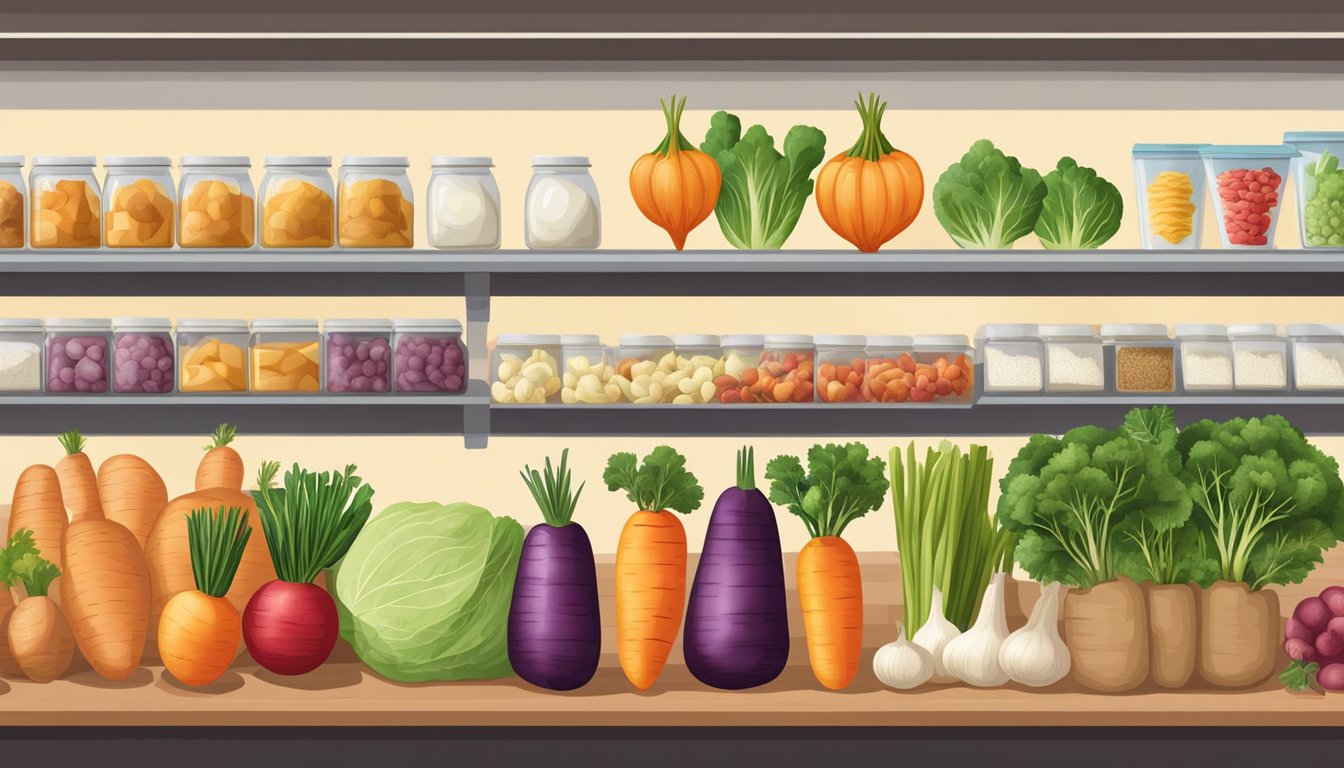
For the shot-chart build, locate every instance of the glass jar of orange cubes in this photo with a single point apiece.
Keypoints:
(212, 354)
(138, 208)
(218, 204)
(840, 367)
(285, 356)
(11, 201)
(297, 202)
(923, 369)
(375, 206)
(784, 374)
(65, 203)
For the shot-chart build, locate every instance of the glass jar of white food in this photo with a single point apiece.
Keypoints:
(463, 204)
(562, 211)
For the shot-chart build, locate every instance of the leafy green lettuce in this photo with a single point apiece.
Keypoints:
(1081, 209)
(424, 592)
(763, 192)
(988, 199)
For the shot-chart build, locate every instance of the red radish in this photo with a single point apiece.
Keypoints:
(1334, 599)
(1294, 630)
(1336, 627)
(290, 628)
(1328, 645)
(1331, 677)
(1313, 613)
(1299, 650)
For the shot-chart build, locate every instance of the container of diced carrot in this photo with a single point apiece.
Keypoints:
(784, 374)
(840, 367)
(922, 369)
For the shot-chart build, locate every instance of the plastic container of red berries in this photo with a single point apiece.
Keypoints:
(1246, 182)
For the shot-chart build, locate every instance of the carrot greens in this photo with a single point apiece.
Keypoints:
(841, 484)
(218, 539)
(660, 482)
(311, 521)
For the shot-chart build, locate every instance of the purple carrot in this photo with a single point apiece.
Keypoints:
(555, 628)
(737, 626)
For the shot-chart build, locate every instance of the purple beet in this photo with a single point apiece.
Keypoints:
(1313, 613)
(1334, 599)
(555, 627)
(737, 626)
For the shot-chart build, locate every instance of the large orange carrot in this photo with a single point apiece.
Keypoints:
(651, 558)
(831, 592)
(132, 493)
(221, 467)
(79, 484)
(38, 507)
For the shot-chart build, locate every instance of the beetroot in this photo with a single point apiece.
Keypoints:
(1336, 627)
(1299, 650)
(290, 628)
(1312, 613)
(1334, 599)
(1331, 677)
(1294, 630)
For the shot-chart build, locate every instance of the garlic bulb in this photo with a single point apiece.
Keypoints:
(1035, 655)
(902, 664)
(974, 656)
(934, 636)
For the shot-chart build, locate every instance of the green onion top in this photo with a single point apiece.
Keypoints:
(746, 468)
(217, 539)
(552, 491)
(311, 522)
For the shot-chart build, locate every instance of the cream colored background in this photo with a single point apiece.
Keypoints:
(440, 468)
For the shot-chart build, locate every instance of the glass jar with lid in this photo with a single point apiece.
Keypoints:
(1318, 357)
(588, 370)
(463, 204)
(138, 202)
(216, 204)
(1012, 357)
(741, 364)
(297, 202)
(785, 373)
(65, 203)
(1320, 205)
(562, 210)
(1142, 357)
(12, 197)
(1074, 361)
(840, 368)
(142, 356)
(285, 355)
(375, 206)
(358, 353)
(212, 354)
(21, 341)
(525, 369)
(699, 368)
(77, 355)
(1206, 357)
(887, 359)
(430, 356)
(1170, 181)
(944, 369)
(642, 363)
(1259, 357)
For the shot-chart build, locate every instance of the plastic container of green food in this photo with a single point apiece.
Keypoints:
(1319, 182)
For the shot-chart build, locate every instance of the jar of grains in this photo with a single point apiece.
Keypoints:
(1318, 357)
(1142, 356)
(20, 355)
(1073, 359)
(1259, 357)
(1011, 355)
(1206, 357)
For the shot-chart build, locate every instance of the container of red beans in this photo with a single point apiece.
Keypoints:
(359, 356)
(1247, 185)
(143, 356)
(429, 357)
(77, 356)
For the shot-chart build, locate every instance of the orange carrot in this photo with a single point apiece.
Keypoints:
(38, 507)
(831, 592)
(221, 467)
(79, 484)
(132, 493)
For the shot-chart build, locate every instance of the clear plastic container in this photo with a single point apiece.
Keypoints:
(1318, 182)
(1259, 357)
(643, 362)
(285, 355)
(358, 354)
(1012, 357)
(563, 210)
(463, 204)
(785, 373)
(431, 358)
(217, 205)
(13, 198)
(525, 369)
(588, 369)
(376, 207)
(1318, 357)
(840, 367)
(741, 365)
(65, 203)
(886, 361)
(213, 355)
(21, 342)
(1169, 181)
(1247, 183)
(1141, 357)
(143, 356)
(297, 202)
(77, 356)
(139, 202)
(1074, 361)
(944, 370)
(1206, 358)
(699, 374)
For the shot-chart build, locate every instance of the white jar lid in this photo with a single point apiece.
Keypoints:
(80, 323)
(1010, 331)
(891, 341)
(358, 324)
(1200, 329)
(1080, 330)
(1132, 330)
(20, 324)
(303, 161)
(375, 161)
(223, 161)
(1252, 329)
(142, 324)
(742, 340)
(137, 161)
(529, 339)
(284, 324)
(942, 340)
(79, 160)
(560, 161)
(840, 340)
(1314, 329)
(211, 324)
(436, 324)
(581, 340)
(461, 161)
(787, 340)
(11, 161)
(645, 340)
(696, 340)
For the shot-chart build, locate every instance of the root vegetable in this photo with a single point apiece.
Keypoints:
(1238, 635)
(676, 185)
(1106, 629)
(221, 467)
(40, 639)
(38, 507)
(132, 493)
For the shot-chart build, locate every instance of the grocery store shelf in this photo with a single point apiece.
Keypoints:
(670, 273)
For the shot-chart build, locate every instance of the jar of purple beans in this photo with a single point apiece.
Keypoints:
(77, 356)
(359, 356)
(430, 357)
(142, 356)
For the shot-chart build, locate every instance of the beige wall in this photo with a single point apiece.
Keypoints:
(439, 468)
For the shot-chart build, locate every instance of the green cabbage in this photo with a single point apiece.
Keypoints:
(988, 199)
(424, 592)
(1082, 210)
